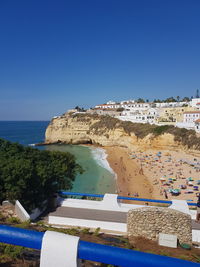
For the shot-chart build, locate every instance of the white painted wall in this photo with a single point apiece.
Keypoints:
(20, 211)
(109, 202)
(23, 215)
(194, 102)
(108, 226)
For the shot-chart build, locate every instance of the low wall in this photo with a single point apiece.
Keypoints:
(148, 222)
(21, 213)
(93, 224)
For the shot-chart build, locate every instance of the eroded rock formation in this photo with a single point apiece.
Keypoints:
(108, 131)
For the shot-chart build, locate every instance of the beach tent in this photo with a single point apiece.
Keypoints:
(189, 191)
(175, 192)
(163, 179)
(183, 186)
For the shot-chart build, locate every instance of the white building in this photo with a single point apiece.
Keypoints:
(189, 120)
(111, 102)
(191, 116)
(195, 103)
(135, 106)
(108, 106)
(170, 104)
(140, 116)
(197, 126)
(131, 101)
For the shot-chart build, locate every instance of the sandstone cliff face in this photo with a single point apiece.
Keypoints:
(82, 129)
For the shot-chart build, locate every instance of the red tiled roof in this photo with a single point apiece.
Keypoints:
(197, 120)
(191, 112)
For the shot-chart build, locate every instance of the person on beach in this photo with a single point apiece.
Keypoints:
(165, 192)
(198, 207)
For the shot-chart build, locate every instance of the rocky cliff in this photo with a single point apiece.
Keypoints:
(108, 131)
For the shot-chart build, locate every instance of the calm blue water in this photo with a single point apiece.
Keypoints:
(97, 177)
(23, 132)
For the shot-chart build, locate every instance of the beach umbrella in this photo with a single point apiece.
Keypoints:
(162, 179)
(196, 187)
(190, 183)
(189, 191)
(176, 191)
(198, 181)
(182, 186)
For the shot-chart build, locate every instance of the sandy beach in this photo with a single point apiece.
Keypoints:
(130, 179)
(155, 174)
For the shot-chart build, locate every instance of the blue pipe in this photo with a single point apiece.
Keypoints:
(92, 251)
(127, 257)
(145, 199)
(63, 193)
(20, 237)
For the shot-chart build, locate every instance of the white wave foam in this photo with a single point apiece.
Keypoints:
(99, 154)
(31, 144)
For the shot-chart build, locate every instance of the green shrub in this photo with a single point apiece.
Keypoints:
(99, 124)
(13, 251)
(97, 231)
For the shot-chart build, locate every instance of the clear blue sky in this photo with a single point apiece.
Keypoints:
(57, 54)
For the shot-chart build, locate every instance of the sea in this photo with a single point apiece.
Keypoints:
(98, 177)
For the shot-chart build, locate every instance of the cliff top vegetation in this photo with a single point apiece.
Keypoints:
(185, 137)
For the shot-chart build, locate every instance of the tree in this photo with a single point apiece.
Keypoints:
(140, 100)
(120, 109)
(32, 176)
(197, 93)
(79, 109)
(178, 98)
(170, 99)
(185, 99)
(157, 101)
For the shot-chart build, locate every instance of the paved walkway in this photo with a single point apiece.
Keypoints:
(195, 225)
(91, 214)
(99, 215)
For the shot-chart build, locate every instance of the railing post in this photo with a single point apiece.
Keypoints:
(59, 250)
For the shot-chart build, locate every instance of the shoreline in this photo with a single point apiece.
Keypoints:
(144, 174)
(130, 179)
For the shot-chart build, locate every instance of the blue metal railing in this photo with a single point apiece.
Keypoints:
(93, 252)
(63, 193)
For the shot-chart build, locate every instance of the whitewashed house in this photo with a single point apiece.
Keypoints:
(139, 115)
(197, 126)
(195, 102)
(108, 106)
(170, 104)
(191, 116)
(189, 119)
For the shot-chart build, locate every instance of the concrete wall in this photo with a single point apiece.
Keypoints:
(21, 213)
